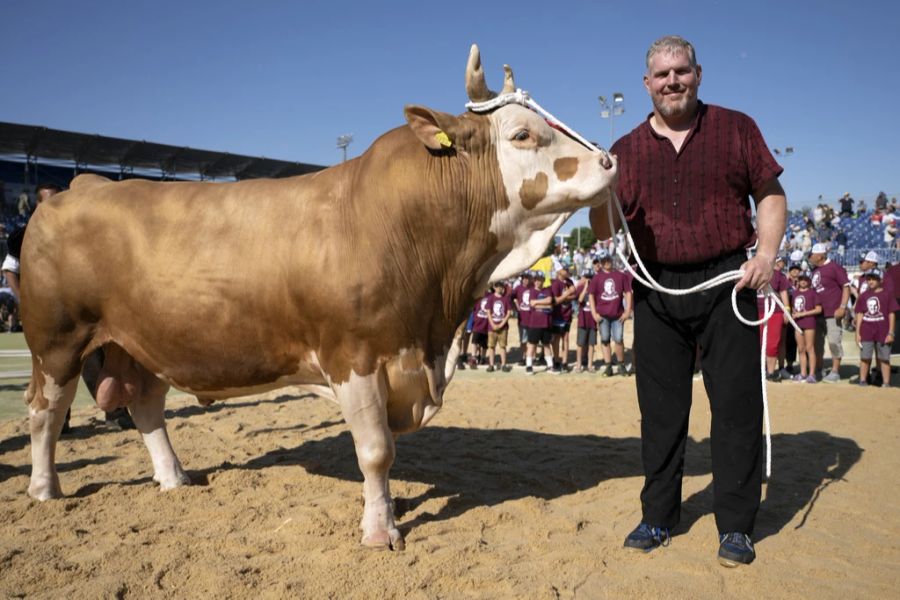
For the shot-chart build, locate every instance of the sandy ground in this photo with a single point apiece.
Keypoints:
(521, 488)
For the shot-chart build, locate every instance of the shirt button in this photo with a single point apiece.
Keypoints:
(676, 180)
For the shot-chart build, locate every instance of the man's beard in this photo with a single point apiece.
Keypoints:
(676, 109)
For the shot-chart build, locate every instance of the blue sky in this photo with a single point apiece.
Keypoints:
(284, 79)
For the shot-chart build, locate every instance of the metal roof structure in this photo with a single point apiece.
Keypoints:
(91, 150)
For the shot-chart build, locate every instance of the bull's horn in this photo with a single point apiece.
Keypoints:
(509, 84)
(476, 87)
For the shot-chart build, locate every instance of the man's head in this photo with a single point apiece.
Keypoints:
(606, 262)
(562, 274)
(873, 278)
(818, 255)
(45, 190)
(595, 264)
(673, 77)
(869, 261)
(499, 288)
(779, 263)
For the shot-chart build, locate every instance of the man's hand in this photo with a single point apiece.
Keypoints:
(596, 316)
(757, 273)
(839, 313)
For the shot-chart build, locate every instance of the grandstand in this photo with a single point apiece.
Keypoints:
(32, 154)
(862, 235)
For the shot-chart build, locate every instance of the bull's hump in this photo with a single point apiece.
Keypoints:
(86, 180)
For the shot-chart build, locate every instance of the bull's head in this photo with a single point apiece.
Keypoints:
(546, 174)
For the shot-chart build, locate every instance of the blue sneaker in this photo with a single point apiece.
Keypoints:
(735, 549)
(646, 537)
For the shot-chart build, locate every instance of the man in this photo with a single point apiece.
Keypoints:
(775, 324)
(499, 308)
(611, 302)
(859, 284)
(846, 205)
(539, 324)
(832, 284)
(686, 175)
(521, 299)
(587, 327)
(563, 289)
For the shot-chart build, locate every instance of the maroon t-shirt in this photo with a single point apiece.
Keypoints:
(608, 290)
(693, 205)
(585, 318)
(875, 308)
(540, 317)
(562, 311)
(480, 323)
(779, 283)
(499, 307)
(829, 281)
(523, 295)
(805, 300)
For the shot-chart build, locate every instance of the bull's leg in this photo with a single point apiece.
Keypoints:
(47, 402)
(148, 413)
(363, 403)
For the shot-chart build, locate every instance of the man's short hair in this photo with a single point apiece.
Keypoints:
(672, 44)
(47, 186)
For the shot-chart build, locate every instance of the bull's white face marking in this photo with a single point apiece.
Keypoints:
(547, 176)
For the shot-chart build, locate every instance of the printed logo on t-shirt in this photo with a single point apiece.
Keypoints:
(498, 311)
(482, 309)
(800, 304)
(525, 304)
(873, 310)
(609, 290)
(817, 282)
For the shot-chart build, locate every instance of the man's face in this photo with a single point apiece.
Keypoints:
(606, 265)
(672, 83)
(817, 259)
(44, 193)
(562, 274)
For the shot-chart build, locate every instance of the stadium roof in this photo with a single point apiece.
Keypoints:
(92, 150)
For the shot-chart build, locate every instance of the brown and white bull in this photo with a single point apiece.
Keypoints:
(226, 289)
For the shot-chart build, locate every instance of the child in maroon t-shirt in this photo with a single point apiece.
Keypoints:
(806, 306)
(875, 327)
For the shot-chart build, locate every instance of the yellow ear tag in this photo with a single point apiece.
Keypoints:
(443, 139)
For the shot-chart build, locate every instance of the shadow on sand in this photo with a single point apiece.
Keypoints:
(478, 467)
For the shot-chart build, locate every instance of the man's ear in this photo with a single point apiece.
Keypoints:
(434, 129)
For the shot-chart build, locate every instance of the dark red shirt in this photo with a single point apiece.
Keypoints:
(694, 205)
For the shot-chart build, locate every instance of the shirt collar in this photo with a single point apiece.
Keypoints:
(695, 123)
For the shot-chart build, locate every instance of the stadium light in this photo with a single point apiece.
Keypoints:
(609, 109)
(342, 142)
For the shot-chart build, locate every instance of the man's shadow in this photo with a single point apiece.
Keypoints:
(804, 465)
(480, 467)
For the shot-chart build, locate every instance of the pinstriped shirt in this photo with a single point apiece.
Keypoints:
(693, 206)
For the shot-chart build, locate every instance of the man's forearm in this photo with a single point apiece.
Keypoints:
(771, 219)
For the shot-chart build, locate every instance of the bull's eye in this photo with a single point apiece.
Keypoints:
(521, 136)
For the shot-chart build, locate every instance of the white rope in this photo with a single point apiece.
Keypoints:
(770, 300)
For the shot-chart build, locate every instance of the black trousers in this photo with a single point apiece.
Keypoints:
(667, 332)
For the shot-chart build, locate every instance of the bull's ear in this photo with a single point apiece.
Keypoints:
(433, 128)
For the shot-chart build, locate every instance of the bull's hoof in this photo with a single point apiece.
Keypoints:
(384, 540)
(171, 482)
(44, 490)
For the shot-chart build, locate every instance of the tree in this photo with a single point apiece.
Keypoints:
(581, 237)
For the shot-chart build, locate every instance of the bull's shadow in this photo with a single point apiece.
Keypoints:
(479, 467)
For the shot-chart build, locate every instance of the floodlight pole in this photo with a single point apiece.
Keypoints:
(342, 142)
(610, 110)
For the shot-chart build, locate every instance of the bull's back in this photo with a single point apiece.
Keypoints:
(191, 278)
